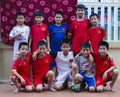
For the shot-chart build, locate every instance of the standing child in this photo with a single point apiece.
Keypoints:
(105, 67)
(96, 34)
(19, 33)
(41, 68)
(79, 29)
(20, 73)
(84, 65)
(39, 31)
(63, 60)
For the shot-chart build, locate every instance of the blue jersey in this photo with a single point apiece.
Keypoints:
(57, 34)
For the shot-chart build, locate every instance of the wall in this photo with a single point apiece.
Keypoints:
(6, 59)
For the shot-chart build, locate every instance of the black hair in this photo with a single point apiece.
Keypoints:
(67, 41)
(81, 6)
(103, 43)
(94, 14)
(23, 44)
(20, 14)
(42, 42)
(39, 14)
(86, 45)
(59, 12)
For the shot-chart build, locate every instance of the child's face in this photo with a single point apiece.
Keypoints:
(42, 49)
(85, 51)
(103, 51)
(80, 12)
(20, 19)
(58, 18)
(94, 20)
(39, 19)
(65, 47)
(24, 50)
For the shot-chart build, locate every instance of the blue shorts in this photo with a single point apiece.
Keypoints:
(53, 64)
(89, 80)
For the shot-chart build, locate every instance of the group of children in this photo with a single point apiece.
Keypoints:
(50, 49)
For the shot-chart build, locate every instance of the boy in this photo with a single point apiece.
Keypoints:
(83, 64)
(105, 67)
(41, 68)
(39, 31)
(96, 34)
(63, 60)
(20, 73)
(79, 29)
(19, 33)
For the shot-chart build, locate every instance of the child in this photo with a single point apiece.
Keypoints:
(83, 64)
(96, 34)
(105, 67)
(19, 33)
(41, 68)
(79, 29)
(20, 73)
(58, 32)
(39, 31)
(63, 60)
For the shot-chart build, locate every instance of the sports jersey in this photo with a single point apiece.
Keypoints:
(57, 34)
(22, 67)
(38, 33)
(79, 31)
(40, 68)
(23, 38)
(96, 35)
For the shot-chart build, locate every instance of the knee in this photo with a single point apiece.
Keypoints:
(50, 73)
(91, 89)
(74, 67)
(115, 72)
(12, 77)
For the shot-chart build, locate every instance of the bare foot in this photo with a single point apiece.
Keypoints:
(52, 89)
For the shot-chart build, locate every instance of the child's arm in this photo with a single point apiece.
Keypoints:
(48, 43)
(13, 37)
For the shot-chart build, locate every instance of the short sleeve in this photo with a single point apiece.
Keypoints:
(12, 32)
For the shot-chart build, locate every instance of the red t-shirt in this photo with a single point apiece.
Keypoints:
(38, 33)
(96, 35)
(40, 68)
(22, 67)
(79, 30)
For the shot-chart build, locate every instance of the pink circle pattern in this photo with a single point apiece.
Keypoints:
(9, 8)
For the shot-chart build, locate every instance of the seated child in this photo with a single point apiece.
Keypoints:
(20, 73)
(41, 68)
(105, 67)
(84, 67)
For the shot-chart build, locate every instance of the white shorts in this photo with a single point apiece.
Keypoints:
(62, 77)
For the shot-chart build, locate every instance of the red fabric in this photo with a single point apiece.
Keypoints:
(41, 66)
(9, 8)
(79, 30)
(96, 35)
(22, 67)
(38, 33)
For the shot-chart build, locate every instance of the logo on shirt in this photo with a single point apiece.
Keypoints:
(43, 29)
(63, 29)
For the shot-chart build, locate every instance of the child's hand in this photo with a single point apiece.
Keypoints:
(19, 34)
(105, 76)
(34, 56)
(22, 81)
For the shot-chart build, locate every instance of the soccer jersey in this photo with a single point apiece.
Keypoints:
(57, 34)
(38, 33)
(85, 66)
(79, 30)
(96, 35)
(40, 68)
(22, 67)
(23, 38)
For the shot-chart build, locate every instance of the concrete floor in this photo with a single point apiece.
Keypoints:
(6, 91)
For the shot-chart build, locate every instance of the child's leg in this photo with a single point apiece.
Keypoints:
(39, 88)
(28, 88)
(17, 84)
(74, 72)
(50, 76)
(114, 77)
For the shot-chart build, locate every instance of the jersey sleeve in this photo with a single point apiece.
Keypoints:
(12, 32)
(14, 66)
(71, 31)
(103, 33)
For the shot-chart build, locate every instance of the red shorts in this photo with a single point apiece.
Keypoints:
(100, 81)
(40, 79)
(27, 81)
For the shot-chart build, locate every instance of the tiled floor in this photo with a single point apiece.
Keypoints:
(6, 91)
